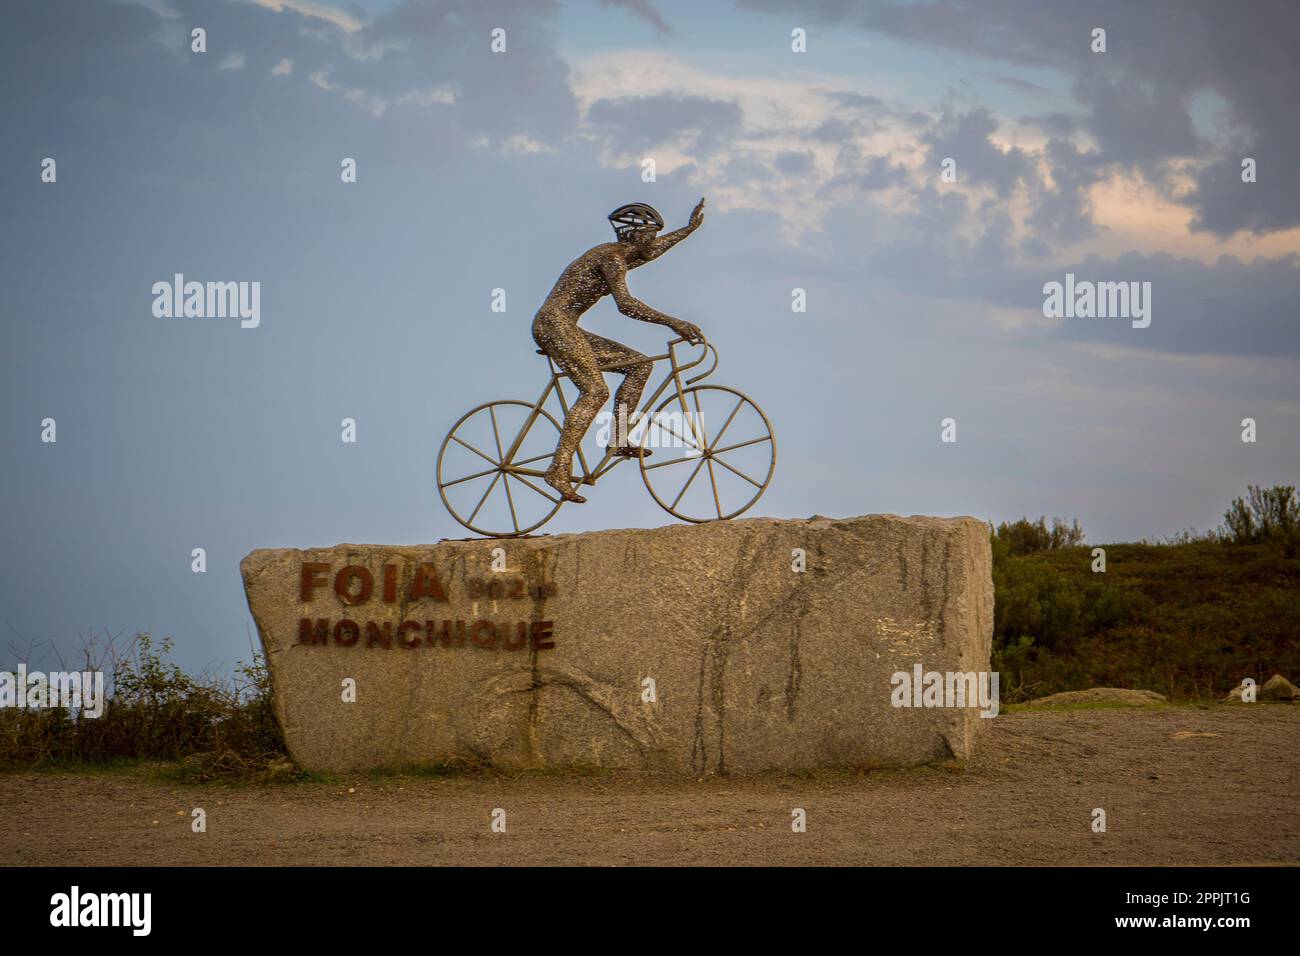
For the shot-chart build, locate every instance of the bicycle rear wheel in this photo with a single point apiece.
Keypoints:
(713, 458)
(485, 487)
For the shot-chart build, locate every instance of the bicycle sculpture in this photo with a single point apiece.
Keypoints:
(696, 429)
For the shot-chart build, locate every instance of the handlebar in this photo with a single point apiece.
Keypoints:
(708, 347)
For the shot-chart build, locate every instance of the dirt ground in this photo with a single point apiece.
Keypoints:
(1180, 786)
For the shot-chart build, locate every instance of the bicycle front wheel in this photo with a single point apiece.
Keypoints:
(714, 454)
(490, 466)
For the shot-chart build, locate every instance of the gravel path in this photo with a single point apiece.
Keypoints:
(1181, 786)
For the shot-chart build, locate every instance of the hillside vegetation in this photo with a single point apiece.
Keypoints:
(1187, 619)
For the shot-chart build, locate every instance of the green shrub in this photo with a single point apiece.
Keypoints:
(155, 711)
(1025, 537)
(1265, 515)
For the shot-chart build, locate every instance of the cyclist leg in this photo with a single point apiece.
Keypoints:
(629, 393)
(567, 345)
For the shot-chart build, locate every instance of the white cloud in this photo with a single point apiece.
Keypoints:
(428, 97)
(513, 145)
(319, 11)
(160, 8)
(375, 105)
(283, 68)
(778, 115)
(232, 61)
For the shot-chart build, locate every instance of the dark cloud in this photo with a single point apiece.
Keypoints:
(965, 138)
(923, 245)
(645, 10)
(124, 57)
(1063, 212)
(853, 100)
(834, 130)
(1136, 125)
(1137, 96)
(1016, 83)
(855, 173)
(447, 43)
(1054, 124)
(793, 162)
(867, 110)
(1229, 307)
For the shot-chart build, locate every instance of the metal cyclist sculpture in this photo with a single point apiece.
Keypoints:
(688, 427)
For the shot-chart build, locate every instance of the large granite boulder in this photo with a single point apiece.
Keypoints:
(734, 646)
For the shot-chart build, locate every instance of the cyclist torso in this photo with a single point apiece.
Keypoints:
(581, 285)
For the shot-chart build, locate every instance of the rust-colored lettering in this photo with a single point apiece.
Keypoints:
(445, 637)
(346, 627)
(479, 627)
(343, 584)
(318, 635)
(390, 583)
(426, 584)
(374, 636)
(310, 570)
(521, 629)
(542, 636)
(402, 630)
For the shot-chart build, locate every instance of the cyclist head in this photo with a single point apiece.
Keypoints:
(636, 222)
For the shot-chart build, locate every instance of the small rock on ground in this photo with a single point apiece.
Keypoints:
(1100, 695)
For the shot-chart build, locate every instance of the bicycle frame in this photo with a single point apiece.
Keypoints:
(674, 378)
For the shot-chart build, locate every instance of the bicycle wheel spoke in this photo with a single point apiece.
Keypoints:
(458, 481)
(688, 482)
(461, 441)
(743, 444)
(690, 442)
(535, 488)
(529, 461)
(736, 471)
(718, 437)
(675, 461)
(701, 440)
(713, 480)
(474, 514)
(496, 432)
(510, 500)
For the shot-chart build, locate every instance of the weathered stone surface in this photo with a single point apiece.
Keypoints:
(755, 666)
(1278, 687)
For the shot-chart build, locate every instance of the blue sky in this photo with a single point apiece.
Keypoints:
(479, 171)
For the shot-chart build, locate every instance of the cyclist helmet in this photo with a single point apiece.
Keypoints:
(634, 216)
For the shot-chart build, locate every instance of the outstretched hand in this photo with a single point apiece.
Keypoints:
(689, 331)
(697, 215)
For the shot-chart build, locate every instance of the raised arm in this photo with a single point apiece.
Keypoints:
(669, 239)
